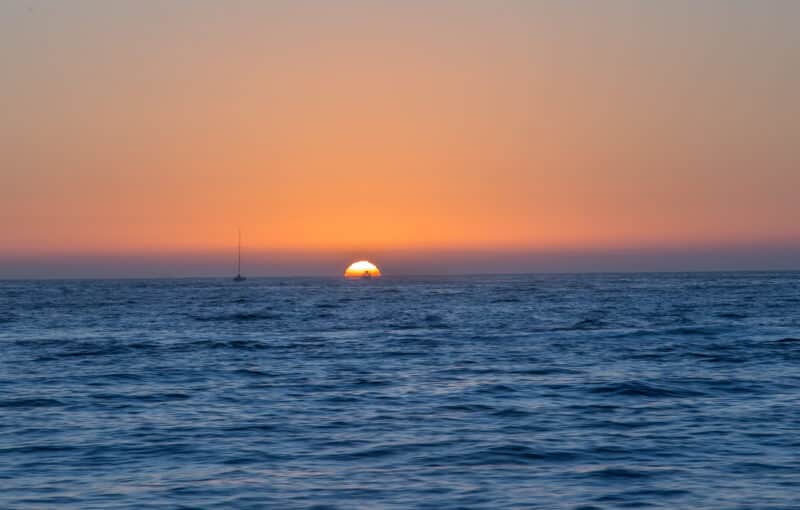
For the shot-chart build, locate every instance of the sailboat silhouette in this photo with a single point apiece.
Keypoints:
(239, 277)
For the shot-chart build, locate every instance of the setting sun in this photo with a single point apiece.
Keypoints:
(362, 269)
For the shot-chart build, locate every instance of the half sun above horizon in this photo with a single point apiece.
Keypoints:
(362, 269)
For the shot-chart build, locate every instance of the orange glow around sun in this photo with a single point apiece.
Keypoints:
(362, 269)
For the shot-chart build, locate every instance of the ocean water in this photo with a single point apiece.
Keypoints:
(534, 391)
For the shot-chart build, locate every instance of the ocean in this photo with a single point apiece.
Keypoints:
(593, 391)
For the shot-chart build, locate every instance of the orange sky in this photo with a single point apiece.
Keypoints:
(355, 126)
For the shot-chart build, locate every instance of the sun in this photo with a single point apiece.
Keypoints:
(362, 269)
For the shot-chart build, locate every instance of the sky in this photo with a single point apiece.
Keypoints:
(136, 137)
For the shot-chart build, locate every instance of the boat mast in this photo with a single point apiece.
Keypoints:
(239, 257)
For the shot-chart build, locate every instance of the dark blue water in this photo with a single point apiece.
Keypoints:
(563, 391)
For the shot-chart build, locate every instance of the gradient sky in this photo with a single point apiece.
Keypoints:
(416, 131)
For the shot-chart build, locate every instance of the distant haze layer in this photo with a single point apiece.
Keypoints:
(401, 263)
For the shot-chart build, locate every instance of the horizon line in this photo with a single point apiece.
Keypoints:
(404, 275)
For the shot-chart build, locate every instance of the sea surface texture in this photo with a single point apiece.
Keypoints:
(537, 391)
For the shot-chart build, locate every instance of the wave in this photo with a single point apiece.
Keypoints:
(150, 397)
(507, 454)
(466, 408)
(92, 349)
(586, 324)
(238, 317)
(430, 321)
(732, 315)
(619, 473)
(708, 331)
(38, 449)
(27, 403)
(512, 412)
(640, 389)
(545, 371)
(623, 425)
(369, 453)
(506, 300)
(230, 344)
(496, 389)
(716, 358)
(251, 372)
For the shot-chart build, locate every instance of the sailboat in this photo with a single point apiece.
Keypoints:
(239, 277)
